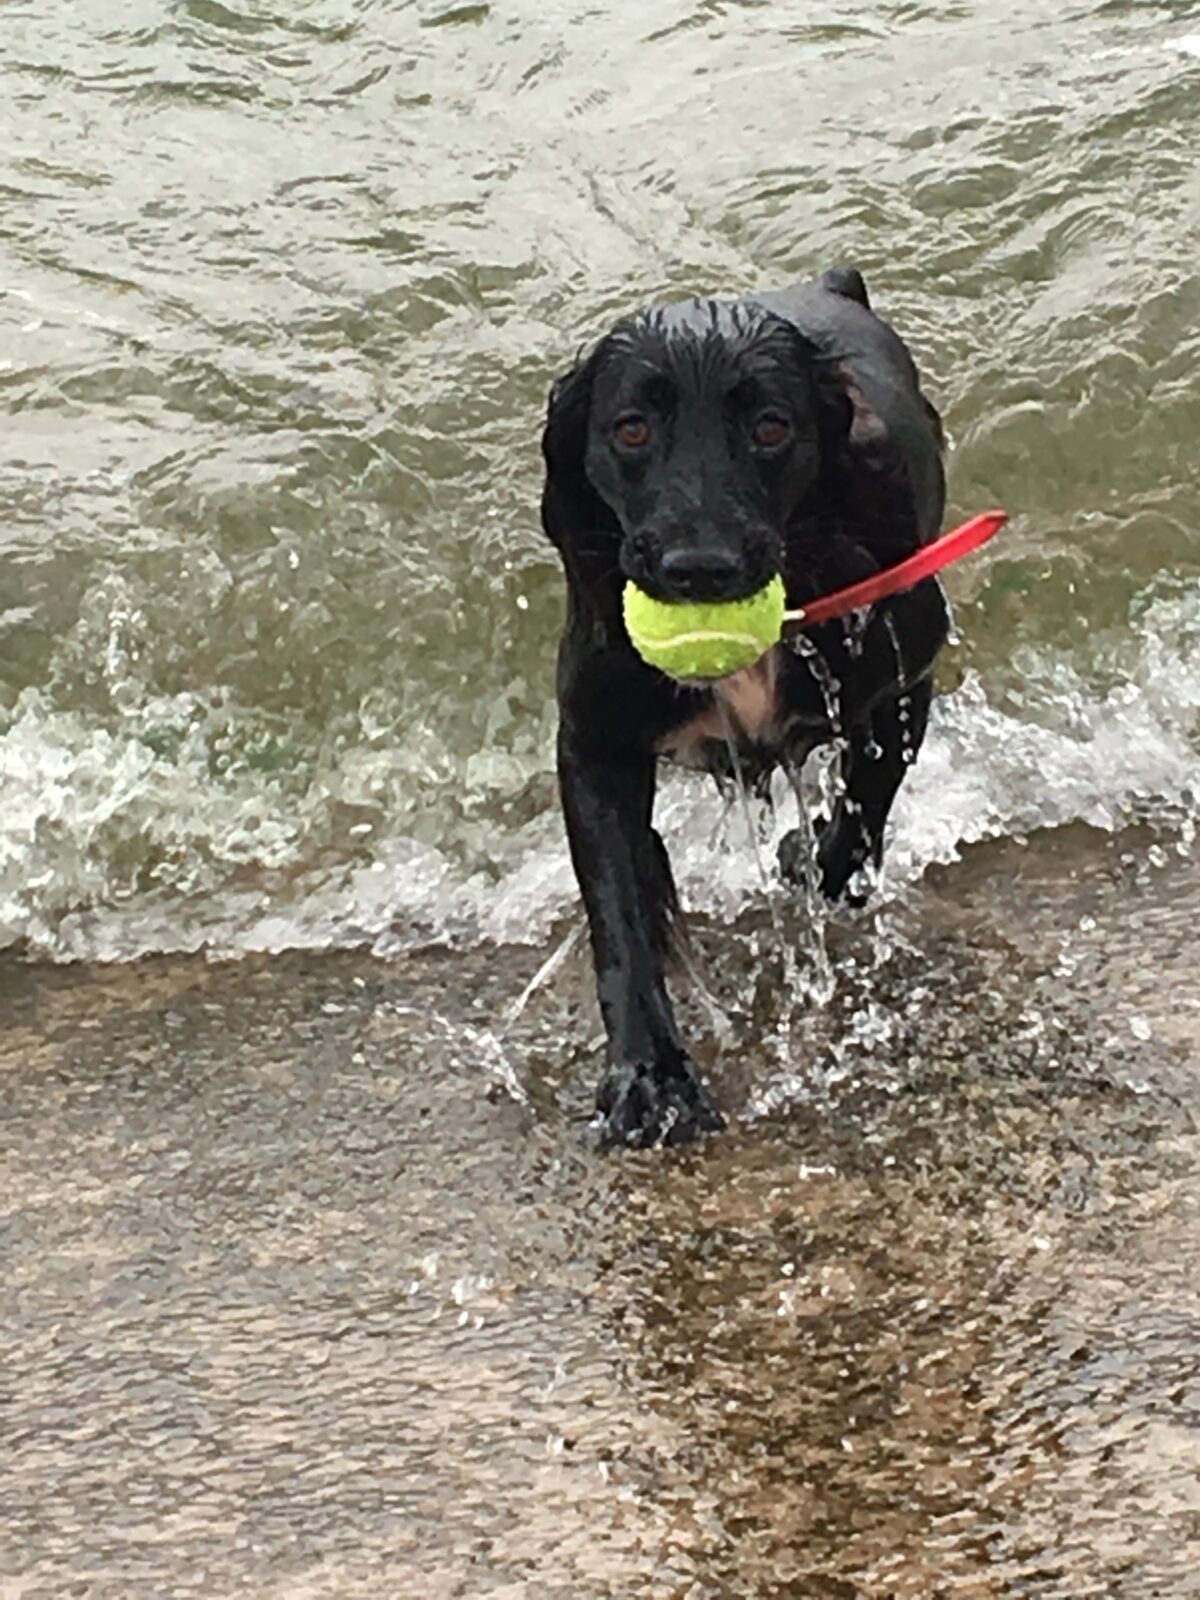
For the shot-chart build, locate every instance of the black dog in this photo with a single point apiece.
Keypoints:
(699, 449)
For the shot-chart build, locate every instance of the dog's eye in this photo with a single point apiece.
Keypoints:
(770, 431)
(633, 432)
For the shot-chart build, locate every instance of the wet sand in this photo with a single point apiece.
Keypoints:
(310, 1289)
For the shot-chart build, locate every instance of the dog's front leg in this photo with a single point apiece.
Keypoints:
(877, 758)
(651, 1090)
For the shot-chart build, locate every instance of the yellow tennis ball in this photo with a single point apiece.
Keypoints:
(706, 640)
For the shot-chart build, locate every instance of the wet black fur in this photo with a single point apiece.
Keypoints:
(702, 511)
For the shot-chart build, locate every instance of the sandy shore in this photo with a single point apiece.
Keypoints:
(311, 1288)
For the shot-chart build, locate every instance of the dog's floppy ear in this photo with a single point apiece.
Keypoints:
(835, 414)
(570, 505)
(865, 468)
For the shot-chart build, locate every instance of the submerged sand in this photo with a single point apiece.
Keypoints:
(311, 1287)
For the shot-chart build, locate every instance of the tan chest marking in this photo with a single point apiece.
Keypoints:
(751, 700)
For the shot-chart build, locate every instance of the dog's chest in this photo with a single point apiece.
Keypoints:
(745, 708)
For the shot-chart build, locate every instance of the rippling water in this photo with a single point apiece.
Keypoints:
(282, 295)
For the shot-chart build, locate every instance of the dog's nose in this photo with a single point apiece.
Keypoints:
(703, 574)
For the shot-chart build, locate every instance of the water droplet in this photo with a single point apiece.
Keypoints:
(823, 676)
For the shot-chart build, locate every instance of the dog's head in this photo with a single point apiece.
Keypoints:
(694, 438)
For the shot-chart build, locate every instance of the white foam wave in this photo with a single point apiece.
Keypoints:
(110, 849)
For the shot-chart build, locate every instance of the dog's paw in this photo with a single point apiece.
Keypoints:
(794, 858)
(842, 852)
(834, 865)
(640, 1106)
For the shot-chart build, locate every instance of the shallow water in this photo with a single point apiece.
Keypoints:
(283, 291)
(307, 1295)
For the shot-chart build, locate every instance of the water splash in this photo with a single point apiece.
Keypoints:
(822, 674)
(118, 842)
(489, 1050)
(546, 973)
(817, 981)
